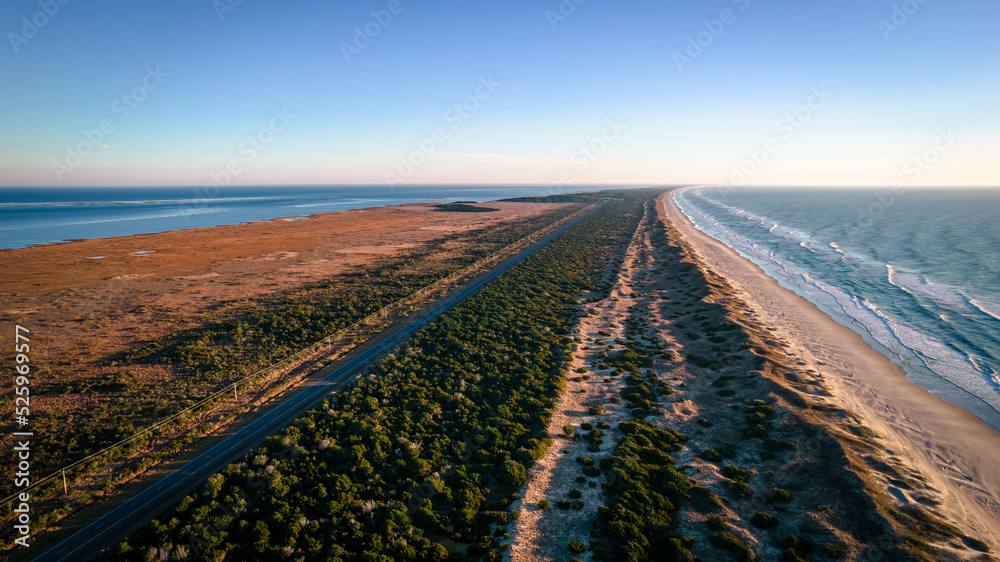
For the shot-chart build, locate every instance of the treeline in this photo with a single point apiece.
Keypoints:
(588, 197)
(422, 458)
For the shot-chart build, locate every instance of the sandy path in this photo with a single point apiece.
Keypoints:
(543, 535)
(955, 450)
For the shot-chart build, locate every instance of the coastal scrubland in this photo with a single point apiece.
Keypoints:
(129, 339)
(423, 457)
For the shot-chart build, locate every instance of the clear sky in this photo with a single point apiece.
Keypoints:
(852, 92)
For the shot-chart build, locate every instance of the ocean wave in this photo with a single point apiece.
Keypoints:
(915, 351)
(919, 286)
(37, 204)
(338, 202)
(987, 308)
(166, 214)
(775, 228)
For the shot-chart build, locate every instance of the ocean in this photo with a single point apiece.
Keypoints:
(30, 216)
(915, 272)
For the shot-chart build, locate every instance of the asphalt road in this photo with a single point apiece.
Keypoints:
(91, 539)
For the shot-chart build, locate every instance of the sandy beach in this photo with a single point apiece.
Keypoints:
(954, 452)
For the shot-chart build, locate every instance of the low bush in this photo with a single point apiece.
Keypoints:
(732, 543)
(776, 445)
(831, 550)
(711, 455)
(778, 495)
(798, 544)
(740, 488)
(764, 520)
(736, 473)
(717, 522)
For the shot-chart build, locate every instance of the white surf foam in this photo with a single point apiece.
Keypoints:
(987, 308)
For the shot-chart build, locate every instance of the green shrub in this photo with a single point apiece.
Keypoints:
(798, 544)
(740, 488)
(586, 426)
(702, 499)
(732, 543)
(735, 473)
(976, 544)
(562, 504)
(544, 504)
(717, 522)
(789, 555)
(779, 495)
(831, 550)
(596, 410)
(776, 445)
(576, 547)
(764, 520)
(711, 455)
(575, 494)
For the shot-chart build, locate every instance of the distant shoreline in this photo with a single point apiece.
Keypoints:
(51, 216)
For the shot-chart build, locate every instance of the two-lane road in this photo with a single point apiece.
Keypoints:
(91, 539)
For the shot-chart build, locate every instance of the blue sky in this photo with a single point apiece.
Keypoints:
(188, 92)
